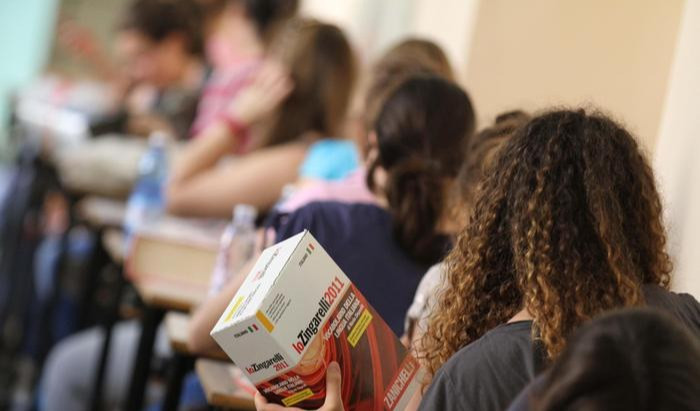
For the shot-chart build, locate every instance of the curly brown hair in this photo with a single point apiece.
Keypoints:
(567, 224)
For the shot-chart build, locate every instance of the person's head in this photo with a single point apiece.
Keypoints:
(238, 30)
(481, 153)
(420, 137)
(568, 224)
(266, 15)
(322, 68)
(408, 58)
(635, 359)
(158, 38)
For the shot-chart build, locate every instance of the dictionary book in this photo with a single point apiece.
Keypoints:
(295, 313)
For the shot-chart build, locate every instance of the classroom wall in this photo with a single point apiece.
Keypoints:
(678, 149)
(25, 31)
(535, 53)
(374, 25)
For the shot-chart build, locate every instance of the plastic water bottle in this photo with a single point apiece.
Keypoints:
(237, 246)
(147, 201)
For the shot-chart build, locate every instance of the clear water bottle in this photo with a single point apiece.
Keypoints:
(147, 201)
(237, 246)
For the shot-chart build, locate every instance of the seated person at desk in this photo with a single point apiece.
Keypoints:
(237, 34)
(417, 148)
(159, 69)
(325, 174)
(297, 97)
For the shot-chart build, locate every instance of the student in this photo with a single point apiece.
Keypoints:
(323, 176)
(159, 69)
(567, 226)
(160, 49)
(333, 169)
(299, 96)
(634, 359)
(417, 149)
(480, 156)
(237, 34)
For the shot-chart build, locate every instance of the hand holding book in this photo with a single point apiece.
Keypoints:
(334, 400)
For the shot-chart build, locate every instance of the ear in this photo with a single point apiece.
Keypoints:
(372, 138)
(372, 147)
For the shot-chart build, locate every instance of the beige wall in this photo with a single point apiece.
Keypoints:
(374, 25)
(614, 54)
(678, 150)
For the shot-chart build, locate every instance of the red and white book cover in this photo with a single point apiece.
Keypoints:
(295, 313)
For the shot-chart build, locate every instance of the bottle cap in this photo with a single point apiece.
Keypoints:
(158, 139)
(244, 212)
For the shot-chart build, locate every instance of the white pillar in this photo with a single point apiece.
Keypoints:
(677, 160)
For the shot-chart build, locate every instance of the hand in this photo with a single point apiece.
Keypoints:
(269, 86)
(334, 399)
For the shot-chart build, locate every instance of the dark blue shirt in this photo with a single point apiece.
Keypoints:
(359, 237)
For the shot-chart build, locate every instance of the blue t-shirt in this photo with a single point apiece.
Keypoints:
(330, 159)
(359, 237)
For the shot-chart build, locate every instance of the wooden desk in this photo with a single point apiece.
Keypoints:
(114, 242)
(168, 295)
(219, 380)
(177, 326)
(102, 212)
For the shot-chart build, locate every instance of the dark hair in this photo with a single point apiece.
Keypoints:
(266, 14)
(481, 153)
(422, 133)
(322, 66)
(158, 19)
(406, 59)
(635, 359)
(568, 224)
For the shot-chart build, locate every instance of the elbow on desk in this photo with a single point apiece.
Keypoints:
(196, 344)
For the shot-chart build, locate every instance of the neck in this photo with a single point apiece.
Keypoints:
(522, 315)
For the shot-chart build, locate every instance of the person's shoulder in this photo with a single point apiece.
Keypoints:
(341, 218)
(488, 373)
(684, 307)
(338, 211)
(499, 346)
(500, 342)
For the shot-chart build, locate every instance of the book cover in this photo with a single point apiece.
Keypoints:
(295, 313)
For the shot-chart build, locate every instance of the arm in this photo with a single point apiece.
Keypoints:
(256, 179)
(207, 314)
(198, 187)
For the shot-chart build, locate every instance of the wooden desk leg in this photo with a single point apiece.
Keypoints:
(152, 317)
(112, 318)
(180, 365)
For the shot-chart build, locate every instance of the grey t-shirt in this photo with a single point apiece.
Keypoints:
(490, 372)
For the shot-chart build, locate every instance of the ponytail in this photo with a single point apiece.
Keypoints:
(416, 195)
(422, 134)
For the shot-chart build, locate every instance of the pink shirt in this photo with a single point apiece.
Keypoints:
(351, 189)
(220, 90)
